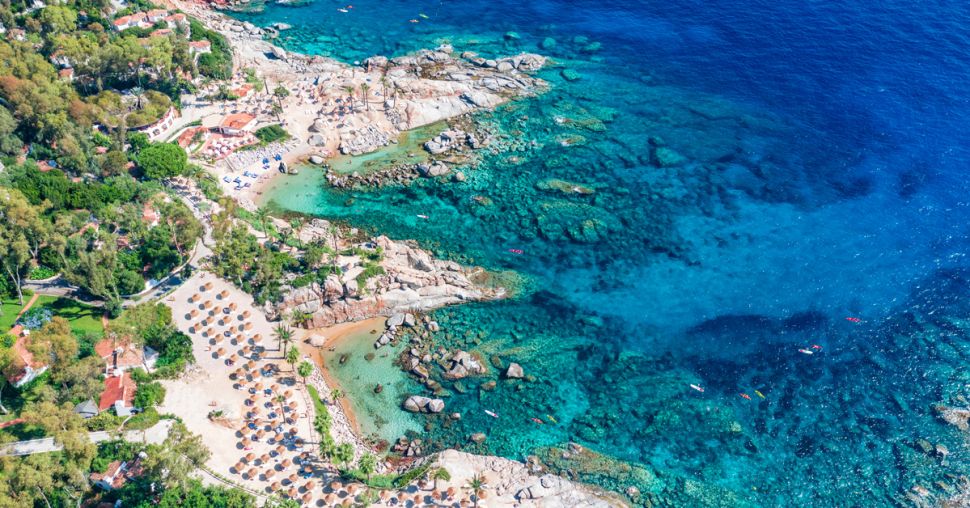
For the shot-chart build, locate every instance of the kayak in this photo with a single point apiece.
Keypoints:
(489, 413)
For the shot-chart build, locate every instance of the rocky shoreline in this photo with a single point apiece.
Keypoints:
(382, 278)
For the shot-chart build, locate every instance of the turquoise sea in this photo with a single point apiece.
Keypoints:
(760, 172)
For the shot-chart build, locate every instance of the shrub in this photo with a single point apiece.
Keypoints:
(162, 160)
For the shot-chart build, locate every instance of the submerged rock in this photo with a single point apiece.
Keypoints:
(514, 371)
(571, 75)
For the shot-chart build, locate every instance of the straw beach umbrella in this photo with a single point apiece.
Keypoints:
(224, 293)
(250, 456)
(239, 467)
(251, 474)
(207, 304)
(264, 458)
(307, 498)
(207, 286)
(248, 326)
(246, 314)
(285, 463)
(275, 486)
(194, 312)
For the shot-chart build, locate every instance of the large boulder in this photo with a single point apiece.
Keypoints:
(333, 289)
(419, 404)
(514, 371)
(462, 364)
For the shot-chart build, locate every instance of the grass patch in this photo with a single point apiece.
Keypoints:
(10, 308)
(84, 319)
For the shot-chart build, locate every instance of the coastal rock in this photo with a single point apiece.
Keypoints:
(316, 140)
(428, 284)
(435, 169)
(278, 52)
(396, 320)
(333, 289)
(514, 371)
(419, 404)
(316, 159)
(478, 437)
(461, 365)
(317, 126)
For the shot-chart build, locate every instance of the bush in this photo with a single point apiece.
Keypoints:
(271, 133)
(143, 420)
(162, 160)
(149, 395)
(41, 273)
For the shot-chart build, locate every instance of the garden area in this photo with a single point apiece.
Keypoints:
(84, 319)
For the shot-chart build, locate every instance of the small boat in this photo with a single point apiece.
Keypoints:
(759, 394)
(698, 388)
(343, 10)
(540, 422)
(490, 413)
(516, 251)
(745, 396)
(816, 347)
(425, 16)
(805, 351)
(853, 320)
(422, 216)
(551, 419)
(413, 21)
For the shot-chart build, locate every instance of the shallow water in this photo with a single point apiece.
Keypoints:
(821, 175)
(358, 376)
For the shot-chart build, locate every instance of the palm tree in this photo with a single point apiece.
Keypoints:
(281, 400)
(384, 88)
(284, 335)
(261, 215)
(364, 88)
(292, 356)
(304, 370)
(476, 484)
(440, 474)
(351, 90)
(300, 317)
(367, 464)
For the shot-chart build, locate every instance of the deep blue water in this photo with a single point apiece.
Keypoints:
(826, 178)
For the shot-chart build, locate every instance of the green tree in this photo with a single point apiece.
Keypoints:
(55, 341)
(162, 160)
(364, 90)
(343, 454)
(367, 464)
(261, 215)
(22, 232)
(476, 484)
(284, 335)
(281, 92)
(57, 19)
(304, 370)
(439, 473)
(351, 91)
(279, 502)
(149, 395)
(292, 356)
(173, 462)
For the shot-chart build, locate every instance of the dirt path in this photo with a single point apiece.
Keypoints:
(28, 305)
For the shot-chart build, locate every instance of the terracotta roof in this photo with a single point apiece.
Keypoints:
(161, 31)
(118, 388)
(237, 121)
(119, 473)
(200, 44)
(120, 354)
(22, 357)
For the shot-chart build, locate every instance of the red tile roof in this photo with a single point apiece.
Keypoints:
(237, 121)
(118, 388)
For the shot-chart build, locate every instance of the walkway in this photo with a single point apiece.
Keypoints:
(155, 434)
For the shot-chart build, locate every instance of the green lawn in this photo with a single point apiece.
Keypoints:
(10, 307)
(83, 318)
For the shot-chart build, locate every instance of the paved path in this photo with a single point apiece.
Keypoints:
(155, 434)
